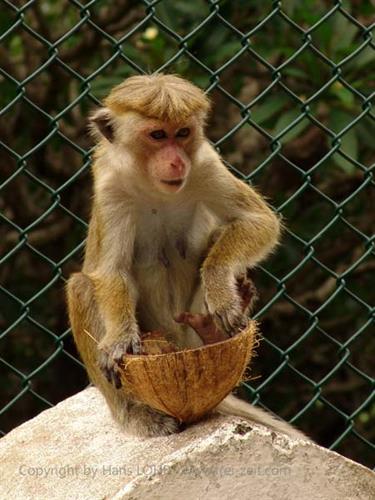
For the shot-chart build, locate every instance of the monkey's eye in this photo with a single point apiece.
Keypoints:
(158, 134)
(183, 132)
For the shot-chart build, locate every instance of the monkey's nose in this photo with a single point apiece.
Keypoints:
(178, 166)
(177, 170)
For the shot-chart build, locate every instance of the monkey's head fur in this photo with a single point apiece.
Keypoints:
(158, 120)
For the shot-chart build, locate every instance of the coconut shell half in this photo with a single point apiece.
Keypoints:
(188, 384)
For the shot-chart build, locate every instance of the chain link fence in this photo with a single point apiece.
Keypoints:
(292, 84)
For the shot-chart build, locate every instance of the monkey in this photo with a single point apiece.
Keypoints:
(171, 230)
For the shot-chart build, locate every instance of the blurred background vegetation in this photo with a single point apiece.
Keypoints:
(292, 84)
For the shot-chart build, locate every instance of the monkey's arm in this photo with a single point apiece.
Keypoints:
(121, 333)
(108, 259)
(116, 305)
(249, 233)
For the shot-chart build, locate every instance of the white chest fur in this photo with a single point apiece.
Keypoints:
(164, 231)
(169, 246)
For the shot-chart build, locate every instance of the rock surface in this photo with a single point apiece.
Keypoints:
(75, 451)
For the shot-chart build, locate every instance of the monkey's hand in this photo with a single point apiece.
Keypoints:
(229, 300)
(223, 301)
(111, 353)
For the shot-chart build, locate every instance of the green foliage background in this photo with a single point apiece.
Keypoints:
(292, 84)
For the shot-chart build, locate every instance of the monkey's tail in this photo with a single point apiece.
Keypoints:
(234, 406)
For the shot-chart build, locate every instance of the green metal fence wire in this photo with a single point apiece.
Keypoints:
(293, 87)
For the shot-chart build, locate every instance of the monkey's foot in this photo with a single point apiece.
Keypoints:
(204, 326)
(147, 422)
(110, 356)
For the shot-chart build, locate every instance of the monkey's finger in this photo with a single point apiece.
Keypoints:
(223, 323)
(107, 374)
(135, 345)
(182, 426)
(116, 379)
(239, 325)
(243, 324)
(234, 322)
(112, 376)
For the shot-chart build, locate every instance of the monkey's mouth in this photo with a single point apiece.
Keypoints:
(173, 182)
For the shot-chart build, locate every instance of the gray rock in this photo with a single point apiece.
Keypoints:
(75, 451)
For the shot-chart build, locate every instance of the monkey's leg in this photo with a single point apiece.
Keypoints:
(135, 417)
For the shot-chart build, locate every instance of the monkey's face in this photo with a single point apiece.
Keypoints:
(167, 150)
(162, 151)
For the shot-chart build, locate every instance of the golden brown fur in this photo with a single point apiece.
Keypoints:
(171, 231)
(165, 97)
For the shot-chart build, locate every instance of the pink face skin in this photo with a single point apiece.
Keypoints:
(167, 148)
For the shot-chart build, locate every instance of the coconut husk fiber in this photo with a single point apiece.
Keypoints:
(188, 384)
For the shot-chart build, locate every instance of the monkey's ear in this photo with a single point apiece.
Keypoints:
(101, 121)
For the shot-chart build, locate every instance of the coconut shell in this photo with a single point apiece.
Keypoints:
(155, 343)
(188, 384)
